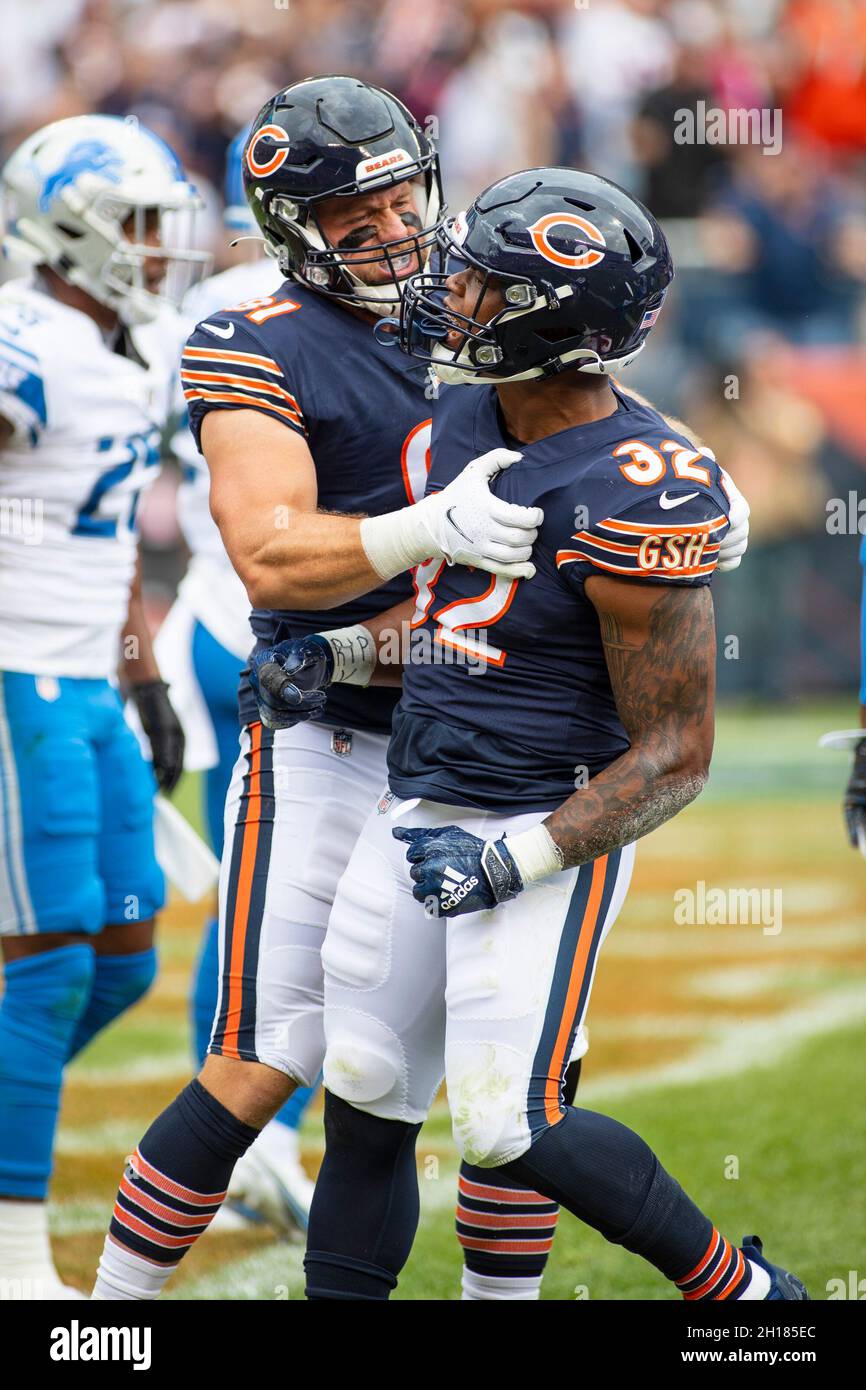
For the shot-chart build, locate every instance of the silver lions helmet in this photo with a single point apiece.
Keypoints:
(80, 196)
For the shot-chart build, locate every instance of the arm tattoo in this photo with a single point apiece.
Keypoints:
(662, 676)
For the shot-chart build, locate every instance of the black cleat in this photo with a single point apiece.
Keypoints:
(782, 1284)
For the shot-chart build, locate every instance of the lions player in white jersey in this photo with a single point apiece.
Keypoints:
(201, 647)
(85, 388)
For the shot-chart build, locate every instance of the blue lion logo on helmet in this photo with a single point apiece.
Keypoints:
(87, 157)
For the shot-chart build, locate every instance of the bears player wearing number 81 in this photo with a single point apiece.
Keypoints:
(478, 960)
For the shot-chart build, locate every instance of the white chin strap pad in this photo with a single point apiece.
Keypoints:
(459, 372)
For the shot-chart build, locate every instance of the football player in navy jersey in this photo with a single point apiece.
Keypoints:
(554, 722)
(316, 440)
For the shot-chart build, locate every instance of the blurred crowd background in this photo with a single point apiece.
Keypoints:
(761, 345)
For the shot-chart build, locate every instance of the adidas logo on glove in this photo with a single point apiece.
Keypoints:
(454, 888)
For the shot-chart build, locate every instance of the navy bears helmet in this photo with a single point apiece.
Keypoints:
(330, 137)
(581, 265)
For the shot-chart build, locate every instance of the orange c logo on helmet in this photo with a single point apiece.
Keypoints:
(279, 156)
(540, 230)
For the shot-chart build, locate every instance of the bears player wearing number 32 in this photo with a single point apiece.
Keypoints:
(597, 672)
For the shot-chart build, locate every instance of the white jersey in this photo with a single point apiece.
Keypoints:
(210, 588)
(86, 439)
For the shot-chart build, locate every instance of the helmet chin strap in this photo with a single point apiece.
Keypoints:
(451, 373)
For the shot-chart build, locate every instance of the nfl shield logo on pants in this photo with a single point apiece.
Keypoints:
(341, 742)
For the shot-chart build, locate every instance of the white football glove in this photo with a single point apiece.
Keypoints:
(465, 523)
(734, 546)
(469, 525)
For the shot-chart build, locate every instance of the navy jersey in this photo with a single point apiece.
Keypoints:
(507, 704)
(361, 407)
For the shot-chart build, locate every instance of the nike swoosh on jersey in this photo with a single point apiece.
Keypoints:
(220, 332)
(668, 502)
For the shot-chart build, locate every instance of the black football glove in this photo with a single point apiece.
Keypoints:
(854, 804)
(164, 733)
(289, 680)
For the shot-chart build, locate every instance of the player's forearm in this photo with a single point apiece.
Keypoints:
(373, 652)
(639, 792)
(660, 650)
(392, 633)
(313, 560)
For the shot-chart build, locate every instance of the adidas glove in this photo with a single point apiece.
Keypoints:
(455, 872)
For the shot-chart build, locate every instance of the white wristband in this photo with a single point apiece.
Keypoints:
(354, 653)
(393, 543)
(535, 852)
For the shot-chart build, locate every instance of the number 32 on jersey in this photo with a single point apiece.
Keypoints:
(459, 624)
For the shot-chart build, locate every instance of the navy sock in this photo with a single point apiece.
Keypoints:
(365, 1208)
(176, 1181)
(608, 1177)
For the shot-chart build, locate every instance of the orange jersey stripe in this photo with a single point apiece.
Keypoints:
(588, 538)
(254, 402)
(221, 355)
(246, 382)
(640, 528)
(575, 983)
(633, 550)
(564, 557)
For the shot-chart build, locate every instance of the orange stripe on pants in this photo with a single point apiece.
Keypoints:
(575, 984)
(241, 913)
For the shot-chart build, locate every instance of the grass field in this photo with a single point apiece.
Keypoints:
(737, 1052)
